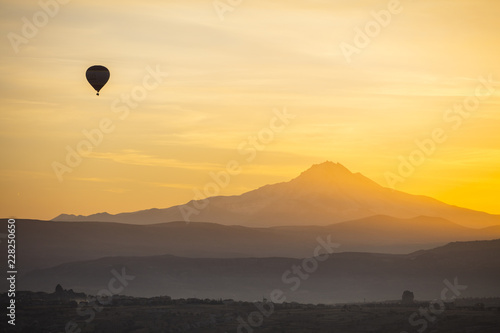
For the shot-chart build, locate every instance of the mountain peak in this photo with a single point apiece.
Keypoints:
(327, 168)
(329, 176)
(327, 173)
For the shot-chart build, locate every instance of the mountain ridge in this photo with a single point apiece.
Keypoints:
(43, 240)
(325, 193)
(342, 277)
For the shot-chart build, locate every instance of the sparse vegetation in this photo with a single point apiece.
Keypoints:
(41, 313)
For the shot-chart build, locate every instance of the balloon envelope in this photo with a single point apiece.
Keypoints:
(97, 77)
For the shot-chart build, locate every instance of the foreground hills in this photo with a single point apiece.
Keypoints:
(342, 277)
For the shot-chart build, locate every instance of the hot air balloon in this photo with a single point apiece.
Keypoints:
(97, 77)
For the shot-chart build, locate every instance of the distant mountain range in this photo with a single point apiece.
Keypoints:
(324, 194)
(49, 243)
(343, 277)
(240, 246)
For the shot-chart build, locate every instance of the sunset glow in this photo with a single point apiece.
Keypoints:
(268, 87)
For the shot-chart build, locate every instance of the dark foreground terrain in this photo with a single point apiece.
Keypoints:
(40, 312)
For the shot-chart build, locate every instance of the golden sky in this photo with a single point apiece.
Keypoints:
(226, 79)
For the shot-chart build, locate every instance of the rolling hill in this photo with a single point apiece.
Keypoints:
(342, 277)
(47, 243)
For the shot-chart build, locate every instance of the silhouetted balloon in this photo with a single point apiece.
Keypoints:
(97, 77)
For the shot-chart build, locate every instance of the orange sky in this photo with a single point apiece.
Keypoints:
(226, 79)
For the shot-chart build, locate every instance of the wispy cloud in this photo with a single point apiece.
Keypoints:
(137, 158)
